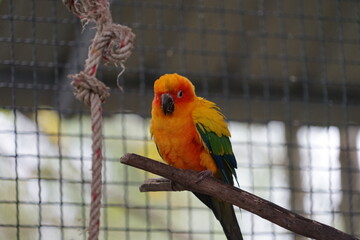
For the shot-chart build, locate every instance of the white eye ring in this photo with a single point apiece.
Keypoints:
(180, 94)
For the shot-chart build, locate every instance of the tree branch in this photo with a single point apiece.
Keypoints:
(160, 184)
(189, 180)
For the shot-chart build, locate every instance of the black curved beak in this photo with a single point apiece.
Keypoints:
(167, 103)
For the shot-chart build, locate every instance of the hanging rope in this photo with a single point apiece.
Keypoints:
(113, 44)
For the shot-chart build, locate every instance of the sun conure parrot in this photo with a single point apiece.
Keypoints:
(191, 133)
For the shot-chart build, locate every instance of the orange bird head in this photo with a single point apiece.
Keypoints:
(172, 92)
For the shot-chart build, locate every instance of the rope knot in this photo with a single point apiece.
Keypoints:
(119, 42)
(113, 43)
(88, 9)
(86, 85)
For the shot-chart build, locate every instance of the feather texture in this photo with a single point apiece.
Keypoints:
(194, 135)
(213, 131)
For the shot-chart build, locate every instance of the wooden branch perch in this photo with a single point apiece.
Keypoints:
(189, 180)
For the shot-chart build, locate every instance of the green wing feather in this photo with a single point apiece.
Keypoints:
(212, 129)
(221, 151)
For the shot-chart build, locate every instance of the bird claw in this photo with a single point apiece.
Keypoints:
(204, 174)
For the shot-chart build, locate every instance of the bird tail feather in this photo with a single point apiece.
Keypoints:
(224, 212)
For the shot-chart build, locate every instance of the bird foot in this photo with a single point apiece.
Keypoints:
(204, 174)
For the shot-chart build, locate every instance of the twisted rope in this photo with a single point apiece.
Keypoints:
(113, 44)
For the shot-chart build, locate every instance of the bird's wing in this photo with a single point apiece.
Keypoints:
(214, 134)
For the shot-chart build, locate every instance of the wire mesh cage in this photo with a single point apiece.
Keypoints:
(285, 73)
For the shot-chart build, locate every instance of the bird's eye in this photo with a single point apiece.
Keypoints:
(180, 94)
